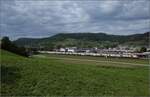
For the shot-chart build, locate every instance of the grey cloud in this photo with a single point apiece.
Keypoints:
(44, 18)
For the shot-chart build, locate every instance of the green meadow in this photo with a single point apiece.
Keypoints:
(66, 75)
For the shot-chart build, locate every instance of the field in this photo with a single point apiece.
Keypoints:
(66, 75)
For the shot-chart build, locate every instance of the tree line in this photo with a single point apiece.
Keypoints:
(8, 45)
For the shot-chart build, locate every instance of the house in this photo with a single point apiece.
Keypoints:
(62, 49)
(83, 50)
(71, 49)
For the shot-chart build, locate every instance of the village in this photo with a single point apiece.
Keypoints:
(110, 52)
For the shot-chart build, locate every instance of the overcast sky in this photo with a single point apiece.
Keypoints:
(37, 18)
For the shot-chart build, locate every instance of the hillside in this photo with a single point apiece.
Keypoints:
(86, 40)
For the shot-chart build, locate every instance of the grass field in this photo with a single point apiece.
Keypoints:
(111, 61)
(60, 75)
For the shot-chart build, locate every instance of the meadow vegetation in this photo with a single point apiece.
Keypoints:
(45, 76)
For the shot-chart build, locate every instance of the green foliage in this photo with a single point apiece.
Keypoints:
(6, 44)
(100, 40)
(143, 49)
(48, 77)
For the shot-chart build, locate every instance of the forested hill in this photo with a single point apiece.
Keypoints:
(86, 40)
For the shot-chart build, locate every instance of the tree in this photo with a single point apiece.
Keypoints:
(6, 44)
(143, 49)
(58, 46)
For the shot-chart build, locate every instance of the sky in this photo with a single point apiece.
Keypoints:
(37, 18)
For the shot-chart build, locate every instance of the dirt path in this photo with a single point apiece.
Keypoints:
(125, 63)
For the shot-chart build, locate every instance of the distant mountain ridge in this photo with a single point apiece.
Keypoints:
(86, 40)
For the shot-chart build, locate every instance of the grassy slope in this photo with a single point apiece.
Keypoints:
(42, 76)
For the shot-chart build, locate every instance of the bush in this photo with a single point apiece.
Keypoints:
(143, 49)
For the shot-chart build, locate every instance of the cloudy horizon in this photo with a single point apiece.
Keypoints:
(45, 18)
